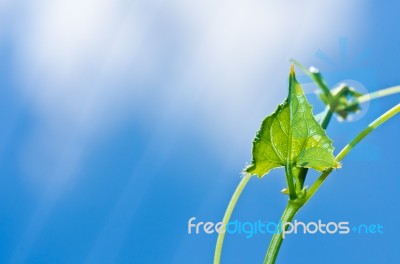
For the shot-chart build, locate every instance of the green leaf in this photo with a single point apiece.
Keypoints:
(292, 137)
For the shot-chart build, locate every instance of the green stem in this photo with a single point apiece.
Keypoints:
(289, 179)
(327, 118)
(371, 127)
(378, 94)
(290, 211)
(227, 216)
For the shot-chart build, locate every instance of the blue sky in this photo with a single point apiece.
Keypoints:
(122, 120)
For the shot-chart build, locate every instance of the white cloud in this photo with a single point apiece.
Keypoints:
(86, 65)
(81, 57)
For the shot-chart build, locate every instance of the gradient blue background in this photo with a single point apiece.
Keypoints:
(120, 120)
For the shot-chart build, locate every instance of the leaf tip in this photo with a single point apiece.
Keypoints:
(292, 74)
